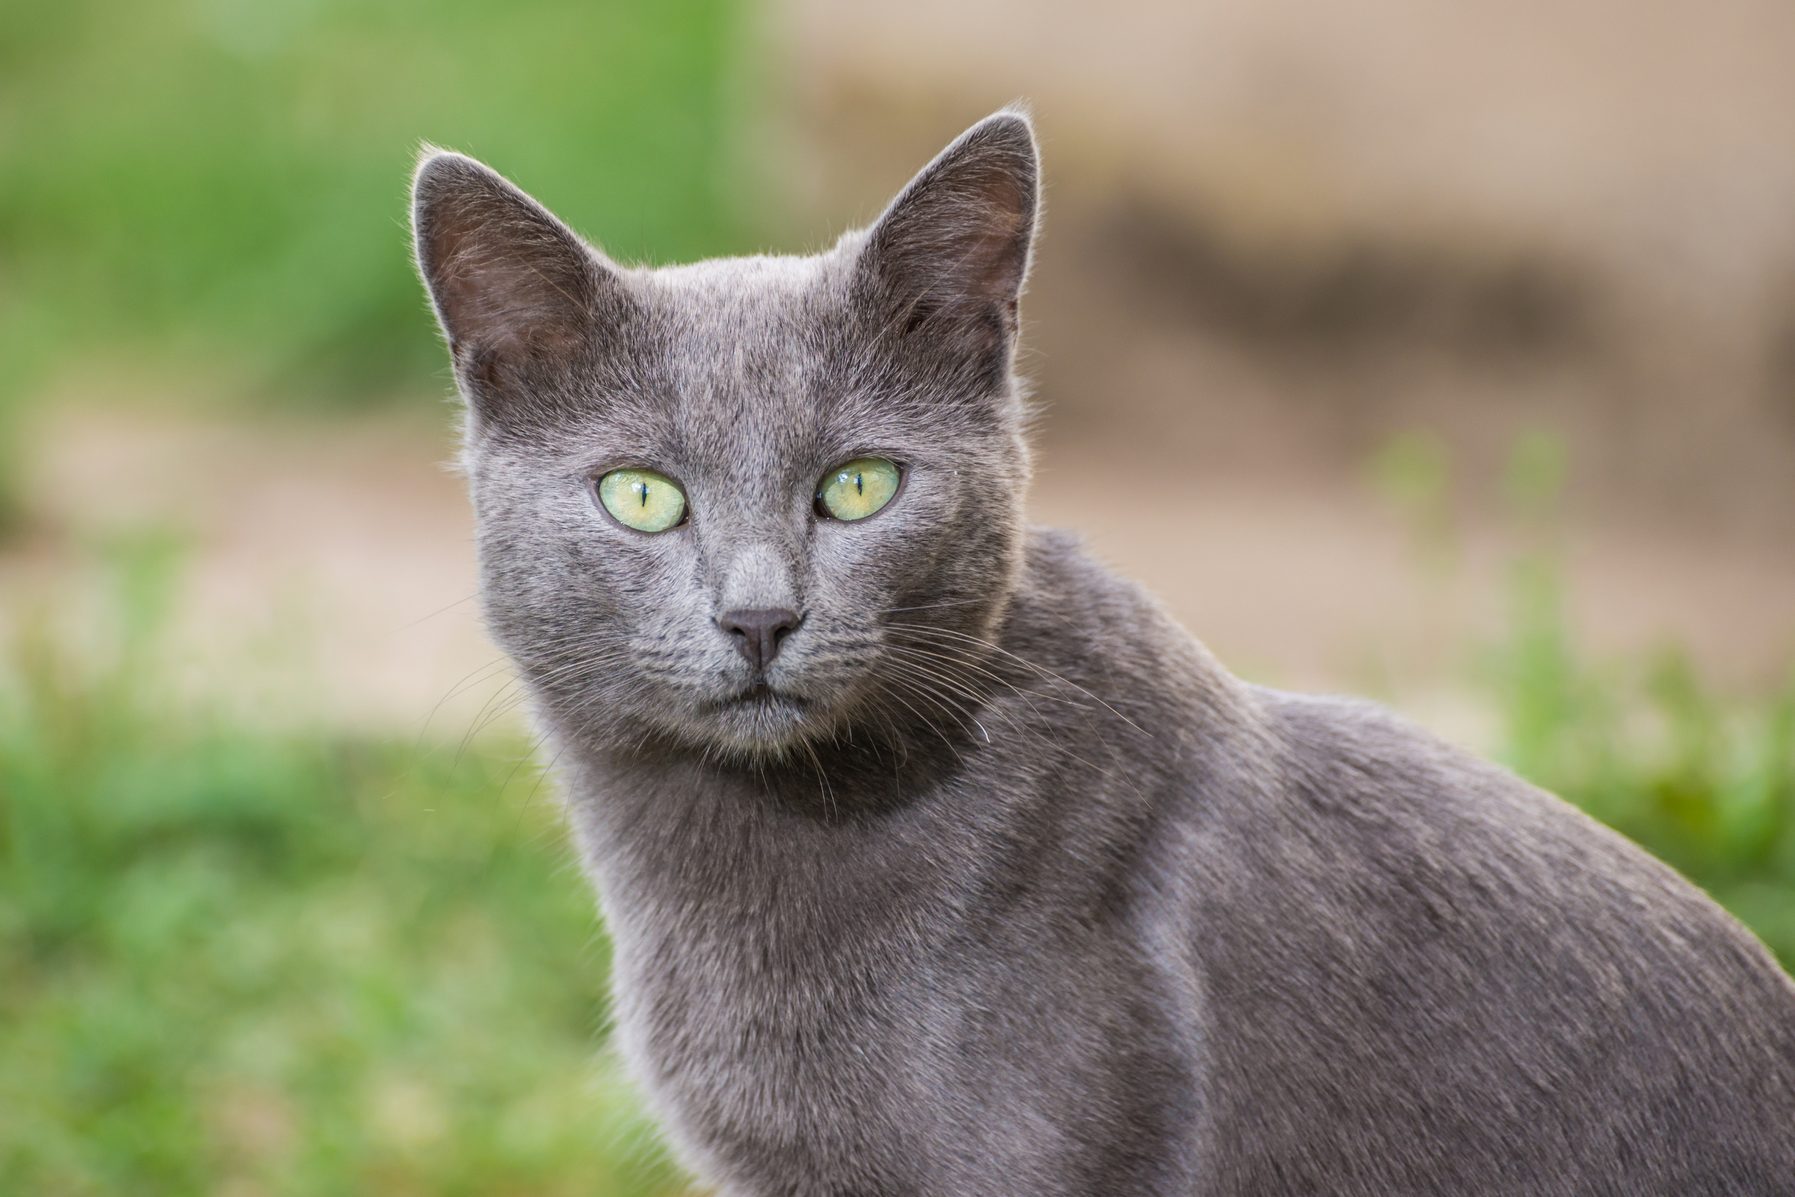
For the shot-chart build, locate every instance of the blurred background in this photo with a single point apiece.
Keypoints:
(1449, 351)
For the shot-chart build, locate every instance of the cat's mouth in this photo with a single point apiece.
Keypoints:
(759, 696)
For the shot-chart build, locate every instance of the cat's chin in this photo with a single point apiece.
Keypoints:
(760, 721)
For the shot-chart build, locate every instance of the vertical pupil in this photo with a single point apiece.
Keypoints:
(642, 490)
(859, 482)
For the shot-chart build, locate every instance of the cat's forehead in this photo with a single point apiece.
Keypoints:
(742, 343)
(756, 366)
(763, 299)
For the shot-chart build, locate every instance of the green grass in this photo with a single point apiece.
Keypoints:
(270, 962)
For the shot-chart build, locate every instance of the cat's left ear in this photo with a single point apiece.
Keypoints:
(949, 256)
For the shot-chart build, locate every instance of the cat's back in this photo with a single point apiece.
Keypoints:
(1424, 975)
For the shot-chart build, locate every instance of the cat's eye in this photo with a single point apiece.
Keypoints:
(856, 489)
(643, 500)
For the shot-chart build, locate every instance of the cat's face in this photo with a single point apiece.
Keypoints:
(705, 594)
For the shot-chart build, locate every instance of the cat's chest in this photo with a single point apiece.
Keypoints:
(764, 1032)
(777, 974)
(798, 987)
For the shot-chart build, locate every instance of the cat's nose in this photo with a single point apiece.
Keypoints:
(759, 631)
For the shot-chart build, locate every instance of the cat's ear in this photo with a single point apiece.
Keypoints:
(513, 287)
(950, 254)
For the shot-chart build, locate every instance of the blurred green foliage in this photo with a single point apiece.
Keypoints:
(268, 962)
(1412, 473)
(213, 192)
(228, 176)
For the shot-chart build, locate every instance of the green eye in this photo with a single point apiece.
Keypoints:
(855, 489)
(642, 499)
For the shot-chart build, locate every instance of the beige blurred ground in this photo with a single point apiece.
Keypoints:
(1278, 234)
(1279, 231)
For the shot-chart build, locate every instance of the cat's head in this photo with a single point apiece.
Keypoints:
(678, 473)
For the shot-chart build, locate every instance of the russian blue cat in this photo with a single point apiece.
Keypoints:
(938, 860)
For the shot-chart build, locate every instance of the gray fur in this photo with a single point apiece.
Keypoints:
(1017, 891)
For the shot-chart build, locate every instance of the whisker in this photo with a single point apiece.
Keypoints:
(1041, 669)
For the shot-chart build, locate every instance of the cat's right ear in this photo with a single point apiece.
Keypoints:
(516, 291)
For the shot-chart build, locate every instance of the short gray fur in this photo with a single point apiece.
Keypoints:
(1006, 886)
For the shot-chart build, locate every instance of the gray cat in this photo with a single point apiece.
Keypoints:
(939, 860)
